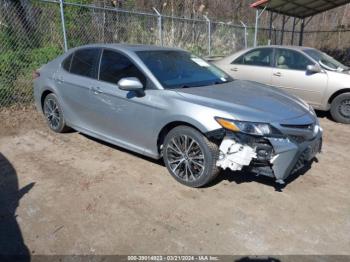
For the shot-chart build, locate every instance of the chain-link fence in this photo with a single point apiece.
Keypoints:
(36, 31)
(29, 37)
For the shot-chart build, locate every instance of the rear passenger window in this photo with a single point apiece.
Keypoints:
(257, 57)
(85, 62)
(115, 66)
(66, 63)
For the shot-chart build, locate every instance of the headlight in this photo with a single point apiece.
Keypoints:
(250, 128)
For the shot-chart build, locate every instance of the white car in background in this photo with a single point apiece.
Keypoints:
(308, 73)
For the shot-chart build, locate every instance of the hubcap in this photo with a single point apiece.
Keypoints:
(344, 108)
(185, 158)
(52, 114)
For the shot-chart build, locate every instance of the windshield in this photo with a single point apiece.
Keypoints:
(325, 60)
(180, 69)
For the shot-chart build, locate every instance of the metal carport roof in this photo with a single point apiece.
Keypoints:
(298, 8)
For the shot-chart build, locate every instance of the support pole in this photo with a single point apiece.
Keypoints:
(209, 34)
(301, 32)
(245, 35)
(257, 16)
(282, 31)
(293, 30)
(63, 27)
(160, 26)
(256, 27)
(270, 28)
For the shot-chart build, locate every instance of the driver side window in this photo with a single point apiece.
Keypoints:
(115, 66)
(290, 59)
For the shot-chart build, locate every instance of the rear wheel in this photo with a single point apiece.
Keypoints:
(54, 115)
(190, 157)
(340, 108)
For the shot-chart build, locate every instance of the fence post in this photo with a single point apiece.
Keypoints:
(256, 27)
(209, 34)
(63, 26)
(301, 36)
(160, 25)
(245, 35)
(257, 16)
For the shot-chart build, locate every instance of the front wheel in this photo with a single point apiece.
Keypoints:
(340, 108)
(190, 157)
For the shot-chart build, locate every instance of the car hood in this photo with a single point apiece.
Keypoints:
(249, 101)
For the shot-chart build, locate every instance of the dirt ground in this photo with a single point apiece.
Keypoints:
(77, 195)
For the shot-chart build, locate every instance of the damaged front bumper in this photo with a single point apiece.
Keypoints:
(274, 157)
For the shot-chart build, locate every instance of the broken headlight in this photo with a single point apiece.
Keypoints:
(250, 128)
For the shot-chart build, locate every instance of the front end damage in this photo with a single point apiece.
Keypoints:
(276, 157)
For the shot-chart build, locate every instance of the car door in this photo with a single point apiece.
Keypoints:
(255, 65)
(122, 116)
(75, 80)
(290, 74)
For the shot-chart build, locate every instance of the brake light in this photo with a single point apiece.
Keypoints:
(36, 74)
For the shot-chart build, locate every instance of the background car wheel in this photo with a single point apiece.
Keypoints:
(190, 157)
(340, 108)
(54, 115)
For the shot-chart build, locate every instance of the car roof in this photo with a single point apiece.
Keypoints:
(294, 47)
(130, 47)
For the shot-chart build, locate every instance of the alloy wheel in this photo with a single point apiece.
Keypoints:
(52, 113)
(344, 108)
(185, 158)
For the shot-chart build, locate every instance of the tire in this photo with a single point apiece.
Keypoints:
(340, 108)
(190, 157)
(54, 115)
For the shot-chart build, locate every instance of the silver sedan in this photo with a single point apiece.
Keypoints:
(305, 72)
(166, 103)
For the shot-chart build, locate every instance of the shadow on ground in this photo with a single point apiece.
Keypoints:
(238, 177)
(155, 161)
(12, 246)
(324, 114)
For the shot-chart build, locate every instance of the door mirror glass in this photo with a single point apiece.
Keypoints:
(130, 84)
(313, 69)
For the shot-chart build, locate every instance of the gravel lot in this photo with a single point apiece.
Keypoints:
(83, 196)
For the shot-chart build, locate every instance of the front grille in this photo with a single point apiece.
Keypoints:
(307, 127)
(301, 163)
(297, 139)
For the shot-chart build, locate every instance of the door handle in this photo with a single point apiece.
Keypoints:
(96, 90)
(277, 74)
(235, 69)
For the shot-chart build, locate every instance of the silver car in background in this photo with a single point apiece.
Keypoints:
(305, 72)
(166, 103)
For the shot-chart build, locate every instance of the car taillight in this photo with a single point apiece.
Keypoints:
(36, 74)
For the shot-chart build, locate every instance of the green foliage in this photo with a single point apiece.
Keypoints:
(197, 50)
(16, 68)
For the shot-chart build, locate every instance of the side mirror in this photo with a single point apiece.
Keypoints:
(130, 84)
(313, 69)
